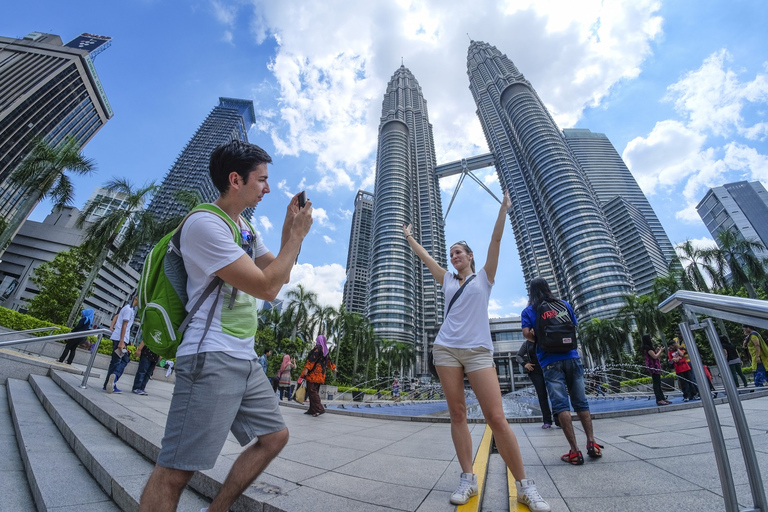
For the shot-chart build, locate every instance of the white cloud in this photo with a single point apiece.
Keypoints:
(265, 223)
(494, 307)
(326, 281)
(335, 58)
(520, 303)
(712, 98)
(328, 240)
(321, 217)
(668, 155)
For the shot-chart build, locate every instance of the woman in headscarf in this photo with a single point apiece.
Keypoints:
(86, 320)
(314, 371)
(284, 376)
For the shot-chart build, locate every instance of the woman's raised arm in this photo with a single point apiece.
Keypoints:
(437, 271)
(492, 261)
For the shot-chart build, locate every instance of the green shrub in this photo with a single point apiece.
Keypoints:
(21, 322)
(644, 380)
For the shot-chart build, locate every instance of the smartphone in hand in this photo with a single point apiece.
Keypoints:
(302, 198)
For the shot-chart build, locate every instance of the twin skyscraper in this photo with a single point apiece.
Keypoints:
(578, 216)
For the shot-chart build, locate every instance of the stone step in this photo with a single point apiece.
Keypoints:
(144, 436)
(57, 478)
(13, 481)
(118, 468)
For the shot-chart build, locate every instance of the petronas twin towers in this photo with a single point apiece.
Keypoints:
(558, 219)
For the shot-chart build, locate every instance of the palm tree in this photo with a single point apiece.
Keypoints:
(694, 262)
(301, 305)
(344, 324)
(101, 236)
(44, 173)
(601, 337)
(736, 255)
(321, 321)
(645, 313)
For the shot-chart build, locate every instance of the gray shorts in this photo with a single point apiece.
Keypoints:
(222, 394)
(471, 359)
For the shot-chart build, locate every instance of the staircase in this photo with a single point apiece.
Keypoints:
(67, 448)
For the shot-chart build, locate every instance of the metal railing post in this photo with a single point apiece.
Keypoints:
(87, 373)
(713, 422)
(739, 420)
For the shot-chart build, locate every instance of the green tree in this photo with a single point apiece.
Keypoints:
(736, 256)
(602, 339)
(101, 236)
(301, 306)
(44, 172)
(59, 282)
(694, 267)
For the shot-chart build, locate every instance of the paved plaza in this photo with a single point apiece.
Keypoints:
(355, 462)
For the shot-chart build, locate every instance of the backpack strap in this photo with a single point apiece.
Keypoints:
(458, 293)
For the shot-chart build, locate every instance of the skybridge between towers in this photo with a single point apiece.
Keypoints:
(465, 166)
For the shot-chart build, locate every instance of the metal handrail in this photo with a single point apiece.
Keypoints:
(735, 309)
(751, 312)
(66, 336)
(30, 331)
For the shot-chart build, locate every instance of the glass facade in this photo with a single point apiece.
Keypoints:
(560, 230)
(404, 301)
(358, 256)
(47, 91)
(647, 251)
(741, 207)
(229, 120)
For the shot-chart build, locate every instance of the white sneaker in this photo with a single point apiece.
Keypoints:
(467, 488)
(528, 495)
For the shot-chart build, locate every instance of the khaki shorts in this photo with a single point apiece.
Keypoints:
(471, 359)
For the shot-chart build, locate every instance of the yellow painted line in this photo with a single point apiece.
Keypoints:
(514, 506)
(480, 468)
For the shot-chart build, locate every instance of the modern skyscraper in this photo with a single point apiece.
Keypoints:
(404, 303)
(229, 120)
(740, 207)
(359, 254)
(48, 91)
(561, 233)
(647, 257)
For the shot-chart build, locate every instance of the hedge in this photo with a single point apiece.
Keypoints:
(21, 322)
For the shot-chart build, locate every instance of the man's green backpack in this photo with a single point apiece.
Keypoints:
(163, 289)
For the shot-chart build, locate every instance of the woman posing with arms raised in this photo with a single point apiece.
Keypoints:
(464, 345)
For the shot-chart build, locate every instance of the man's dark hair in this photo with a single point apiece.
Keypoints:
(538, 292)
(235, 156)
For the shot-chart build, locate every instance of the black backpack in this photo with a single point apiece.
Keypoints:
(555, 332)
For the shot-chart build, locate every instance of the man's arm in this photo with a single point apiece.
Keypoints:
(529, 334)
(123, 330)
(266, 283)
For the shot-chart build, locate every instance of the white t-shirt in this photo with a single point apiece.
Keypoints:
(126, 315)
(207, 246)
(467, 325)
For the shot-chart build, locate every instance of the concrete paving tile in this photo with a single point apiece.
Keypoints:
(368, 490)
(437, 501)
(636, 478)
(291, 470)
(418, 449)
(320, 502)
(322, 455)
(354, 440)
(14, 490)
(397, 469)
(701, 468)
(449, 478)
(700, 501)
(103, 506)
(11, 460)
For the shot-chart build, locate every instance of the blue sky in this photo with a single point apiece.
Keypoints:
(680, 88)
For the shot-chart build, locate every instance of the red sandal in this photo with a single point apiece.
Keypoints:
(575, 458)
(593, 450)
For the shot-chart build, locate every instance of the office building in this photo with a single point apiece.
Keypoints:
(560, 230)
(49, 91)
(359, 254)
(647, 257)
(38, 242)
(741, 207)
(229, 120)
(404, 302)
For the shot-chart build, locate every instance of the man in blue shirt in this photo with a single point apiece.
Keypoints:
(563, 374)
(263, 360)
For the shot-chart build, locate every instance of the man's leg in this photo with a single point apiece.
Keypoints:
(163, 489)
(554, 378)
(247, 468)
(139, 378)
(574, 378)
(566, 424)
(113, 362)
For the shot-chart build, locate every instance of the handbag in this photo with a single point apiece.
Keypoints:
(301, 393)
(430, 357)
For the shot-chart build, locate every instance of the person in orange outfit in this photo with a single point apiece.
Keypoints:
(314, 371)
